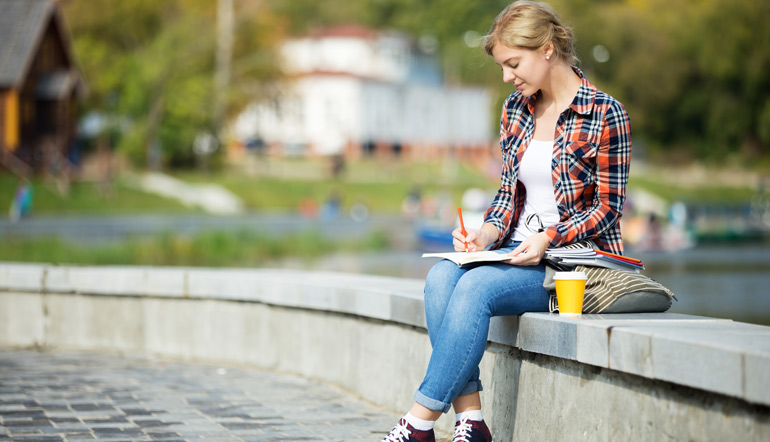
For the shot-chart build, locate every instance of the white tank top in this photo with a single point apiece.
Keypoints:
(535, 175)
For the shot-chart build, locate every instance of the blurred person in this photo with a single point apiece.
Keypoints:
(21, 205)
(337, 165)
(332, 206)
(653, 235)
(566, 148)
(308, 208)
(411, 203)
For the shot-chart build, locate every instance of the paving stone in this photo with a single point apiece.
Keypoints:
(70, 396)
(38, 438)
(84, 434)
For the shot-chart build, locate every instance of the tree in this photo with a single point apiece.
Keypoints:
(692, 73)
(151, 65)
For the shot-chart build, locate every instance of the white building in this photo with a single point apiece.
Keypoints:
(355, 91)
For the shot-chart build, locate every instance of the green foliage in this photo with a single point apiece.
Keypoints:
(692, 74)
(209, 249)
(719, 195)
(764, 122)
(152, 64)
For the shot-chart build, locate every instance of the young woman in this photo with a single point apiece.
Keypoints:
(566, 148)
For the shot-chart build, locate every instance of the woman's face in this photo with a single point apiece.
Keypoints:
(524, 68)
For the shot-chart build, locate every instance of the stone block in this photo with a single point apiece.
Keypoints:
(592, 345)
(69, 317)
(58, 280)
(595, 331)
(22, 319)
(280, 292)
(504, 330)
(549, 334)
(709, 356)
(94, 322)
(115, 324)
(701, 365)
(109, 280)
(22, 277)
(235, 284)
(174, 327)
(630, 351)
(757, 377)
(367, 303)
(584, 338)
(315, 297)
(392, 299)
(166, 281)
(408, 309)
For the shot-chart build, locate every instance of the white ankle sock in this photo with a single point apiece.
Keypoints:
(474, 415)
(418, 423)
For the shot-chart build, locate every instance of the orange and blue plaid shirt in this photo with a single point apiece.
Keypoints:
(589, 168)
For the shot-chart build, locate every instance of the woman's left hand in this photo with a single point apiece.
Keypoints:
(531, 251)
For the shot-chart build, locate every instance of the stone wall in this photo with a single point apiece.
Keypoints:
(597, 378)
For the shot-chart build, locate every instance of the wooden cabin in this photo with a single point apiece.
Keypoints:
(40, 86)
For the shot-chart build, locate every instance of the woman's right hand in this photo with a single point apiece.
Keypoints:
(474, 239)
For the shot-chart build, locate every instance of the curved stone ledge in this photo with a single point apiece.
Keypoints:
(223, 313)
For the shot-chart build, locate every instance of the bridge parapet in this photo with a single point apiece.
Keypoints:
(599, 377)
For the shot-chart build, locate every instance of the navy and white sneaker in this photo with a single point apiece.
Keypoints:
(403, 432)
(467, 430)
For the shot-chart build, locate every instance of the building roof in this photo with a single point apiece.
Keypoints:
(350, 31)
(22, 26)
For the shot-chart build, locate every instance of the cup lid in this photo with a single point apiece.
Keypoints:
(569, 275)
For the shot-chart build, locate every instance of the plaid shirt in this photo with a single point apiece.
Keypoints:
(589, 168)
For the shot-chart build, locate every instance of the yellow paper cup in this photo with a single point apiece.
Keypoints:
(570, 288)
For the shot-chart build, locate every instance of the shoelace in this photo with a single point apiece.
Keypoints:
(399, 433)
(462, 431)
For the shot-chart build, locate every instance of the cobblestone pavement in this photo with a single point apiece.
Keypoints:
(68, 396)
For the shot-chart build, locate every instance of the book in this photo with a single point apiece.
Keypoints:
(467, 258)
(599, 262)
(559, 257)
(570, 253)
(595, 258)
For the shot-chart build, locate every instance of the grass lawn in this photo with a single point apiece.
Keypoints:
(210, 249)
(381, 187)
(85, 197)
(285, 184)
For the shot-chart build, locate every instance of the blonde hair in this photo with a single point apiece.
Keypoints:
(531, 25)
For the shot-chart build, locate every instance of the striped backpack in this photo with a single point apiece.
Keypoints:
(612, 291)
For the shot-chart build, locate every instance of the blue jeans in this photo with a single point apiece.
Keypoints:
(459, 303)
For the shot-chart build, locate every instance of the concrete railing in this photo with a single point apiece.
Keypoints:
(645, 377)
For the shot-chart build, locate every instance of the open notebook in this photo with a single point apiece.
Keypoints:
(465, 258)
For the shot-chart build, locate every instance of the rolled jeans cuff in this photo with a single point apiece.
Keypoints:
(431, 404)
(471, 387)
(435, 405)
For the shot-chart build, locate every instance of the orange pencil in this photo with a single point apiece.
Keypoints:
(620, 257)
(462, 226)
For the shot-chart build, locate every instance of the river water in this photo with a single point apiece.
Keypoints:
(723, 281)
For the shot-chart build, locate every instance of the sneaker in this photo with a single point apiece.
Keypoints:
(467, 430)
(403, 432)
